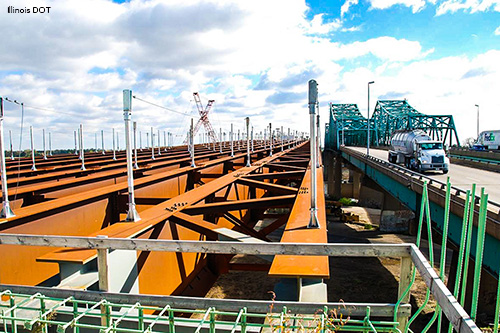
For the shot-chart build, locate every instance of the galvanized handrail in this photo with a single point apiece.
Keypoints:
(414, 174)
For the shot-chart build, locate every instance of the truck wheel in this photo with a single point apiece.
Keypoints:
(445, 171)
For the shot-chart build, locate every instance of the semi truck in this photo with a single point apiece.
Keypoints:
(490, 140)
(417, 151)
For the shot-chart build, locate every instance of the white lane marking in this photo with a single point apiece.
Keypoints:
(473, 179)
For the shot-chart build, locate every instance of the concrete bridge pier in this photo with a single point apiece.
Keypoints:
(395, 217)
(332, 162)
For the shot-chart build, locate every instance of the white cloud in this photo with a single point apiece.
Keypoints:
(415, 5)
(385, 48)
(345, 7)
(317, 26)
(351, 29)
(497, 31)
(451, 85)
(253, 62)
(472, 6)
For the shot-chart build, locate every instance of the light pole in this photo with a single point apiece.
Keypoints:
(368, 122)
(477, 105)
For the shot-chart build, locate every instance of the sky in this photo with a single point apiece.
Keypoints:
(70, 64)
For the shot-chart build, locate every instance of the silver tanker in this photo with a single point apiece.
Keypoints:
(417, 151)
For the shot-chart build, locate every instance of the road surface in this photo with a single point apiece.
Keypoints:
(460, 176)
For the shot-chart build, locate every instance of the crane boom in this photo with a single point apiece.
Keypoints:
(203, 118)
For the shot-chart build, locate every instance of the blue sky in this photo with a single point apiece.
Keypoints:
(253, 57)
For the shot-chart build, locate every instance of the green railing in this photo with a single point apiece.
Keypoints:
(36, 313)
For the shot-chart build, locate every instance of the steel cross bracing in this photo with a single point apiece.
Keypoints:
(393, 115)
(175, 201)
(347, 125)
(203, 118)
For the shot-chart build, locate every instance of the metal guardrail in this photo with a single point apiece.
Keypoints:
(476, 159)
(414, 174)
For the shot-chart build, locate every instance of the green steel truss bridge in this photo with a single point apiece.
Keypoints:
(348, 127)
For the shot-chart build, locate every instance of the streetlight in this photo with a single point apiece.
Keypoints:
(477, 105)
(368, 121)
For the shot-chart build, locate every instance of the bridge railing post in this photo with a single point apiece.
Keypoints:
(404, 283)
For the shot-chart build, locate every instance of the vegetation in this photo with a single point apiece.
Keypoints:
(347, 202)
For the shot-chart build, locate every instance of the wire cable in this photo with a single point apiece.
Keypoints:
(163, 107)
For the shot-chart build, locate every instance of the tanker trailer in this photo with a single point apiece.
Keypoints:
(417, 151)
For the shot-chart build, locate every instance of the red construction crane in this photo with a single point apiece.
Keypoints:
(203, 118)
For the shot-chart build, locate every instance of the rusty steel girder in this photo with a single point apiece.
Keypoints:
(175, 201)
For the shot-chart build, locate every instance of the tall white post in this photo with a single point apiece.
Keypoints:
(247, 121)
(191, 141)
(165, 140)
(82, 150)
(10, 136)
(220, 140)
(159, 143)
(251, 138)
(76, 149)
(132, 215)
(152, 144)
(368, 121)
(281, 138)
(231, 138)
(102, 142)
(136, 166)
(6, 211)
(44, 150)
(79, 145)
(265, 145)
(50, 144)
(33, 166)
(288, 138)
(114, 148)
(313, 102)
(270, 140)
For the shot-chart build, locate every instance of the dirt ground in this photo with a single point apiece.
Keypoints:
(351, 279)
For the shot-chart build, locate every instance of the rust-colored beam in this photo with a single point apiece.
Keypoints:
(271, 187)
(226, 206)
(297, 231)
(277, 175)
(196, 224)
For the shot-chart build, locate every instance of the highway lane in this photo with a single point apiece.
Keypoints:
(460, 176)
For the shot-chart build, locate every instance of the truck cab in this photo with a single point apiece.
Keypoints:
(430, 155)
